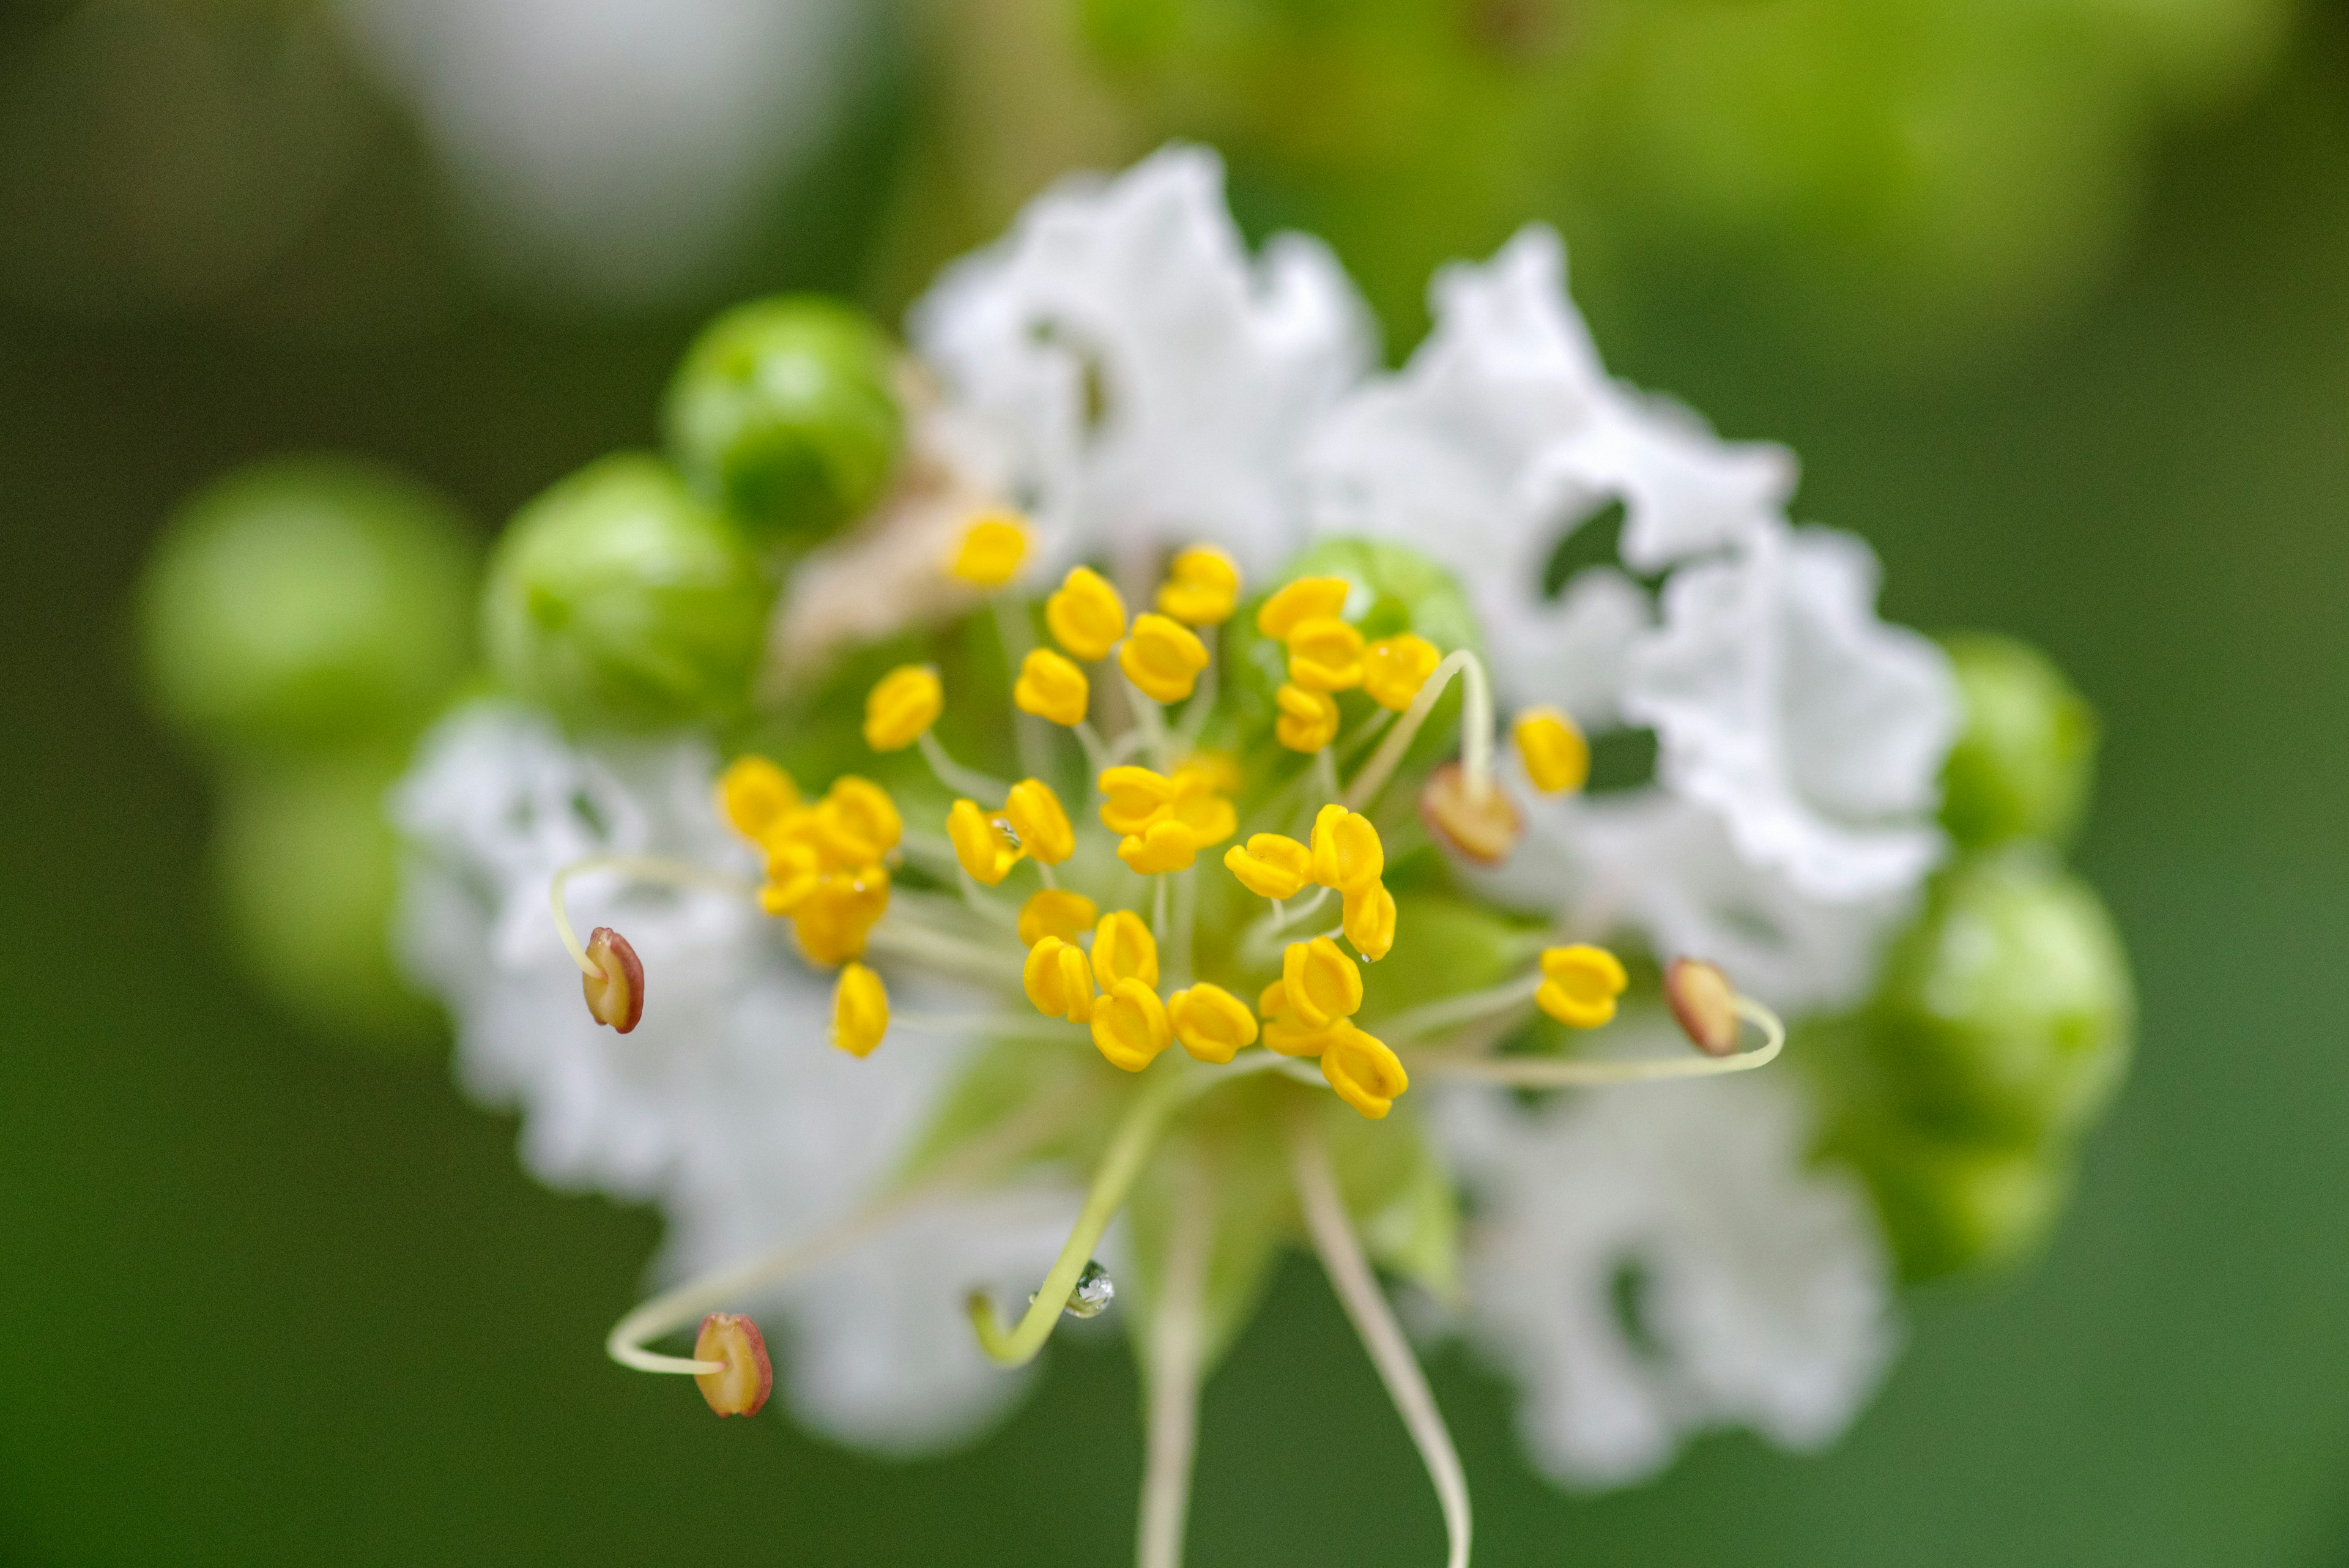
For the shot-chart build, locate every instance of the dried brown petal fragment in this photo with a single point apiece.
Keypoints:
(1705, 1003)
(617, 999)
(1484, 829)
(748, 1377)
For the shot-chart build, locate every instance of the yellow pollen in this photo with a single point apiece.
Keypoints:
(1055, 912)
(754, 795)
(1369, 921)
(1270, 865)
(902, 707)
(1035, 814)
(1132, 797)
(860, 1011)
(1557, 757)
(1307, 598)
(1202, 587)
(1165, 845)
(1130, 1025)
(1057, 981)
(1052, 688)
(1325, 654)
(1085, 615)
(1211, 1022)
(1308, 720)
(1347, 853)
(834, 919)
(979, 844)
(1579, 985)
(1123, 949)
(793, 868)
(1319, 983)
(1365, 1072)
(857, 821)
(993, 544)
(1395, 667)
(1161, 658)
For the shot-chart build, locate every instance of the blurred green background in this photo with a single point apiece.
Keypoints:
(264, 1298)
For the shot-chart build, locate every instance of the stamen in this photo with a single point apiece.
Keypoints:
(1546, 1073)
(957, 777)
(644, 868)
(1470, 1007)
(1173, 1370)
(1475, 730)
(1366, 1308)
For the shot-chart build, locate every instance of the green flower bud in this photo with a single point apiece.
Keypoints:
(307, 869)
(2007, 1013)
(1950, 1206)
(618, 600)
(305, 603)
(784, 410)
(2023, 765)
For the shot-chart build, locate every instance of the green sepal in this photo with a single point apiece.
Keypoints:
(1445, 945)
(2025, 758)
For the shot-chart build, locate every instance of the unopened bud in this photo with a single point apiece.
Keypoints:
(618, 997)
(1484, 827)
(1704, 1002)
(748, 1377)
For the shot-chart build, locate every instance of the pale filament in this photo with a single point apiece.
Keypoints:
(1454, 1010)
(644, 868)
(1173, 1370)
(1475, 730)
(954, 776)
(1548, 1072)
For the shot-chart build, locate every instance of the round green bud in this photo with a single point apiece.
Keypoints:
(2023, 762)
(307, 603)
(618, 600)
(307, 869)
(2007, 1013)
(1949, 1206)
(784, 410)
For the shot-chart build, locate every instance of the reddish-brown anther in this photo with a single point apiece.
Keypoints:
(617, 999)
(1705, 1003)
(1485, 827)
(748, 1377)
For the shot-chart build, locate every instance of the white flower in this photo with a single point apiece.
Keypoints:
(1501, 435)
(1814, 729)
(727, 1104)
(1148, 382)
(1649, 1264)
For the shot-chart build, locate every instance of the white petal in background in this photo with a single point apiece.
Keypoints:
(1150, 383)
(1650, 1265)
(615, 147)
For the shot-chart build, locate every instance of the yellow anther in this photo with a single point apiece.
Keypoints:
(1085, 615)
(1050, 687)
(982, 847)
(1307, 598)
(1395, 667)
(1579, 985)
(993, 544)
(1035, 814)
(1123, 949)
(1557, 757)
(832, 922)
(1483, 828)
(1202, 587)
(1270, 865)
(857, 823)
(1211, 1022)
(1130, 1025)
(1308, 720)
(1347, 853)
(1325, 654)
(1165, 845)
(754, 795)
(1057, 981)
(1213, 771)
(1209, 819)
(902, 706)
(1272, 1001)
(1133, 798)
(1370, 920)
(1055, 912)
(793, 868)
(1366, 1075)
(1163, 657)
(1320, 983)
(860, 1011)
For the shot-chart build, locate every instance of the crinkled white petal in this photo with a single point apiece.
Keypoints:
(1817, 730)
(727, 1104)
(1504, 433)
(1149, 383)
(1757, 1288)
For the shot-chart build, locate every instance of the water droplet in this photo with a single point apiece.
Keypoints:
(1094, 1292)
